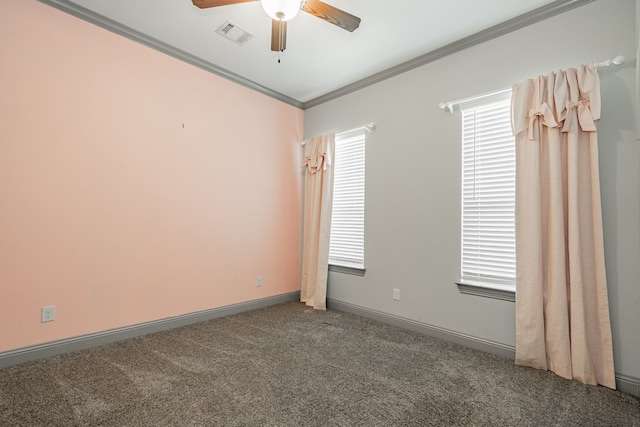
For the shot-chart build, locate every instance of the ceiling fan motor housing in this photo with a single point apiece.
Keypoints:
(281, 10)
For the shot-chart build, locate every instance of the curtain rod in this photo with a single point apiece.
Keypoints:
(450, 106)
(369, 127)
(618, 60)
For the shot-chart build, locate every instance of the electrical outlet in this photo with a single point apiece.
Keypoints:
(48, 314)
(396, 294)
(259, 281)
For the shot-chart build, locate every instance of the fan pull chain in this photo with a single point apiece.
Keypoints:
(281, 40)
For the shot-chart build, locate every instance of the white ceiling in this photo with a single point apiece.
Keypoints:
(320, 57)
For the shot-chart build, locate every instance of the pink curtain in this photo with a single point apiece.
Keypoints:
(318, 162)
(562, 308)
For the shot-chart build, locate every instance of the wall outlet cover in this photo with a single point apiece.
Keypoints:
(48, 314)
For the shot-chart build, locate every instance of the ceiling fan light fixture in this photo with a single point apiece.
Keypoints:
(281, 10)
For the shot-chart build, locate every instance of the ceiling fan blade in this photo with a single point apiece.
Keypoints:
(331, 14)
(278, 35)
(204, 4)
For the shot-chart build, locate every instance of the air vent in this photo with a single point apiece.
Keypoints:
(231, 31)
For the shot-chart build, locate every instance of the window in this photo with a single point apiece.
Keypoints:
(346, 246)
(488, 196)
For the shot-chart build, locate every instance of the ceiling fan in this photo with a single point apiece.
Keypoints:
(282, 11)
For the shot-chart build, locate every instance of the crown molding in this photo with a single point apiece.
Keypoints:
(552, 9)
(136, 36)
(540, 14)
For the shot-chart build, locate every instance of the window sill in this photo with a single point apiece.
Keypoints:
(347, 270)
(468, 288)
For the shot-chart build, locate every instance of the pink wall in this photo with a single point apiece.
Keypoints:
(133, 186)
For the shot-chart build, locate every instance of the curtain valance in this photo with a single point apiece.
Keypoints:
(562, 99)
(318, 153)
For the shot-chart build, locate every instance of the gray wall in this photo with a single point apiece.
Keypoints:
(413, 175)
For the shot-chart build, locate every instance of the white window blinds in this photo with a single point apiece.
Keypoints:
(346, 247)
(488, 195)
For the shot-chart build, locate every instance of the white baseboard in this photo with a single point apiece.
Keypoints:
(41, 351)
(625, 384)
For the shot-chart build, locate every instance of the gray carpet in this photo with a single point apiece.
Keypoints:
(288, 365)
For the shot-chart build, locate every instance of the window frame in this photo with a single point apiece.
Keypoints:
(478, 286)
(342, 262)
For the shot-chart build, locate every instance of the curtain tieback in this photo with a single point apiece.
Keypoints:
(583, 116)
(547, 118)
